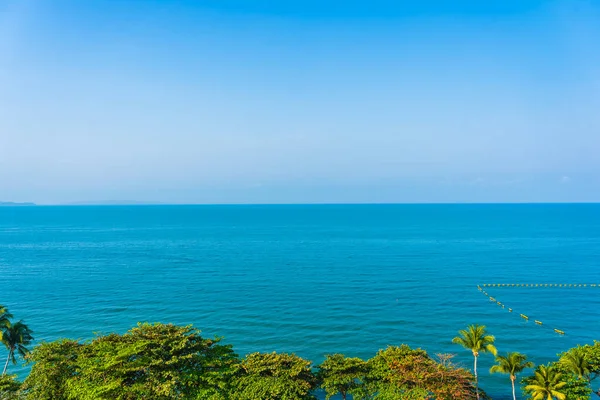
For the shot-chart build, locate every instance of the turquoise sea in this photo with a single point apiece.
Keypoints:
(309, 279)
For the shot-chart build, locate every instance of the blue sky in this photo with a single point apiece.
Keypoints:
(224, 101)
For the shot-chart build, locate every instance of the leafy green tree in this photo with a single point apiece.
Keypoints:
(476, 339)
(547, 383)
(148, 362)
(382, 383)
(273, 376)
(54, 365)
(576, 361)
(583, 362)
(340, 374)
(592, 353)
(575, 388)
(511, 364)
(15, 337)
(10, 387)
(405, 373)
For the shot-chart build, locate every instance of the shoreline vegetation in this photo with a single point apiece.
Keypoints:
(166, 361)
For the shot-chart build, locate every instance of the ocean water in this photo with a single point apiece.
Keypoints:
(309, 279)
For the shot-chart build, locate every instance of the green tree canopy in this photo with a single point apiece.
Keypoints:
(54, 365)
(10, 387)
(341, 375)
(575, 387)
(576, 360)
(405, 373)
(592, 353)
(273, 376)
(583, 362)
(148, 362)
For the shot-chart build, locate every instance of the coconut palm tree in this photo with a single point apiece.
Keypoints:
(476, 339)
(576, 362)
(5, 317)
(546, 384)
(15, 337)
(511, 364)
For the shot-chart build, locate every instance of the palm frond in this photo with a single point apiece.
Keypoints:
(15, 338)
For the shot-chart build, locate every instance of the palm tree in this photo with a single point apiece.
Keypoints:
(5, 317)
(15, 337)
(476, 339)
(545, 384)
(576, 362)
(511, 364)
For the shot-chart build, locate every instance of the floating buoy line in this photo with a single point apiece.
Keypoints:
(538, 285)
(531, 285)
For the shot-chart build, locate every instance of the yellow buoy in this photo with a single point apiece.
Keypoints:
(524, 316)
(538, 322)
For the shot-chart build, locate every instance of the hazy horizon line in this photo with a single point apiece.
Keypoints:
(151, 203)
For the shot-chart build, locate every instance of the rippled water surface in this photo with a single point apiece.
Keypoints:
(312, 279)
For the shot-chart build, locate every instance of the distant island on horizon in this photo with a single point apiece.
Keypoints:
(114, 203)
(15, 204)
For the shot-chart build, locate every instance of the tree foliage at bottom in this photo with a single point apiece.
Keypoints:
(405, 373)
(148, 362)
(273, 376)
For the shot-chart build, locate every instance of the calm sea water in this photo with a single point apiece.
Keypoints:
(312, 279)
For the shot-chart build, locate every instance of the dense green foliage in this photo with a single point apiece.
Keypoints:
(405, 373)
(583, 362)
(54, 366)
(273, 376)
(9, 387)
(575, 388)
(158, 361)
(170, 362)
(148, 362)
(342, 375)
